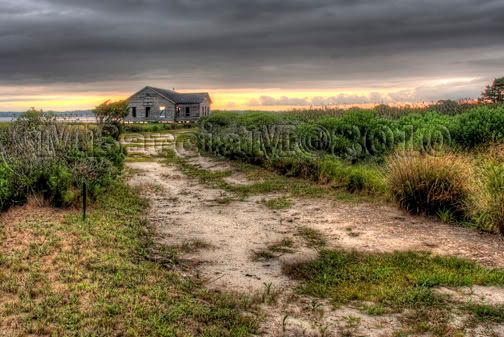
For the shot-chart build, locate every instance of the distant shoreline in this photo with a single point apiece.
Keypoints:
(70, 119)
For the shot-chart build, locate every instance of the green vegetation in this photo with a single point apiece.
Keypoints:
(430, 161)
(105, 277)
(398, 281)
(355, 135)
(53, 160)
(313, 237)
(155, 127)
(487, 312)
(278, 203)
(432, 185)
(110, 116)
(263, 181)
(275, 250)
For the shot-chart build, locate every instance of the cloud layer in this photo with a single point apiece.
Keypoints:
(251, 43)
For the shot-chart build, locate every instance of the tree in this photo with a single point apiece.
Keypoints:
(111, 112)
(494, 93)
(110, 116)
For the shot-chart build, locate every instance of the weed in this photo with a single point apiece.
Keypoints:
(487, 313)
(284, 323)
(283, 246)
(274, 250)
(313, 237)
(446, 216)
(193, 246)
(269, 294)
(263, 255)
(278, 203)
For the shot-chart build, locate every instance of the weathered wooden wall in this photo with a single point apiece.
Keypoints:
(148, 97)
(139, 100)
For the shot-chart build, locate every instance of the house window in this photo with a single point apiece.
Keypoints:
(133, 111)
(162, 111)
(188, 111)
(147, 111)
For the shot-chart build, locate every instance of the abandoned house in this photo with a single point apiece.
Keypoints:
(153, 104)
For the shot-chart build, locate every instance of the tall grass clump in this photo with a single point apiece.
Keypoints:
(432, 185)
(493, 218)
(488, 214)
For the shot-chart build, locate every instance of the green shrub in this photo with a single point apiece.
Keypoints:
(366, 178)
(5, 185)
(431, 185)
(44, 157)
(320, 145)
(55, 184)
(481, 125)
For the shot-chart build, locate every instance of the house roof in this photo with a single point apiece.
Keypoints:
(182, 98)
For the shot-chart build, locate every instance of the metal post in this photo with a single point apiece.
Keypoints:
(84, 201)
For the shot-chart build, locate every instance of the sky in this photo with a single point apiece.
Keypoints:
(248, 54)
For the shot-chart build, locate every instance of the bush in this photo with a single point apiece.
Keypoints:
(55, 183)
(44, 157)
(5, 186)
(431, 185)
(320, 146)
(481, 125)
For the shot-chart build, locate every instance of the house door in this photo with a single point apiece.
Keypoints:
(147, 111)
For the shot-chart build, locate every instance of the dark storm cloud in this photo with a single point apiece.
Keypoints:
(247, 43)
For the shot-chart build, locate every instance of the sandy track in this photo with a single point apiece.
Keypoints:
(183, 210)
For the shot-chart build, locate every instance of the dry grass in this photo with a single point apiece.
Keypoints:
(488, 212)
(432, 185)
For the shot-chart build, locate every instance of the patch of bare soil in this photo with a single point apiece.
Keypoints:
(235, 233)
(16, 237)
(476, 294)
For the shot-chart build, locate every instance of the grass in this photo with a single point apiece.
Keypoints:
(313, 237)
(487, 312)
(274, 250)
(262, 181)
(105, 277)
(398, 281)
(278, 203)
(432, 185)
(193, 246)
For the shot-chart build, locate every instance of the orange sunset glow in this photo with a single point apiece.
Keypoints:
(58, 98)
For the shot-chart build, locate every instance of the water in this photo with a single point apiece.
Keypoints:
(67, 119)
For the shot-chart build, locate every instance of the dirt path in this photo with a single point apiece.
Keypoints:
(221, 238)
